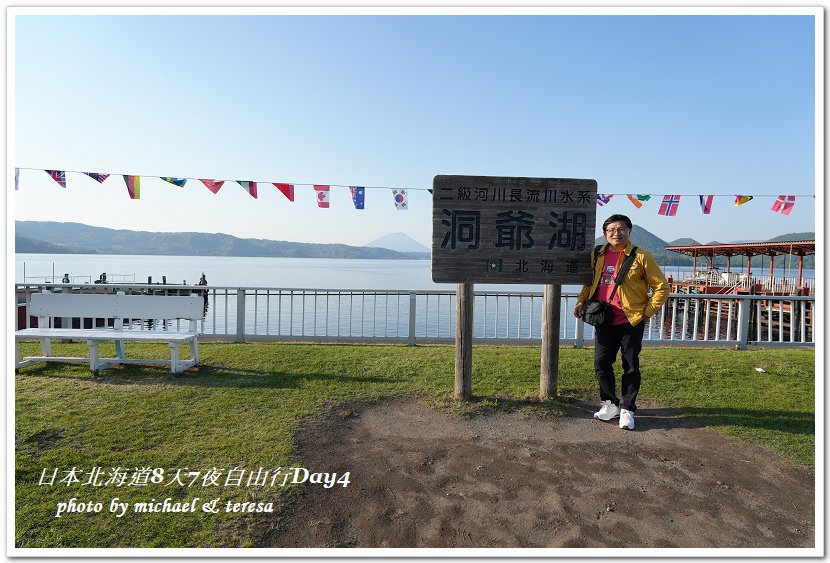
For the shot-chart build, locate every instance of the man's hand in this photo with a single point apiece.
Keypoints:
(578, 310)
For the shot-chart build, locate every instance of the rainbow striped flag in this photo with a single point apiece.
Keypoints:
(133, 186)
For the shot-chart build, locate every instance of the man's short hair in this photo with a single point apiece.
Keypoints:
(614, 219)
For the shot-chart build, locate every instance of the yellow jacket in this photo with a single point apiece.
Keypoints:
(633, 291)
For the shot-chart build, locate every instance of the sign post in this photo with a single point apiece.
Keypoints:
(549, 372)
(511, 230)
(464, 342)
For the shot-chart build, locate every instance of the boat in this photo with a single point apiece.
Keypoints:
(712, 280)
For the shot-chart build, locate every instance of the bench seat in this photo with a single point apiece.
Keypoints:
(127, 306)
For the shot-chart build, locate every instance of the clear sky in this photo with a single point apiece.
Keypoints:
(644, 104)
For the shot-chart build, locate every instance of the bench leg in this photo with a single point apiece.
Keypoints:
(119, 349)
(46, 346)
(174, 357)
(194, 351)
(94, 355)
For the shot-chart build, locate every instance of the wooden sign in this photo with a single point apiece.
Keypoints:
(493, 229)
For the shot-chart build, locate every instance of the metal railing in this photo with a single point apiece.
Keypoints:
(258, 313)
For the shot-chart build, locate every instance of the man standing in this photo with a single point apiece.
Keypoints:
(630, 308)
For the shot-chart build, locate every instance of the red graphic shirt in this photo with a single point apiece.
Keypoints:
(606, 285)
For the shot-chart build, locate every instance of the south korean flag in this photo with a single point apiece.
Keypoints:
(400, 199)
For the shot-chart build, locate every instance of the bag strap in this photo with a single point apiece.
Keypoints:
(624, 267)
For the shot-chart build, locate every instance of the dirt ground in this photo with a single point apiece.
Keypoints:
(426, 477)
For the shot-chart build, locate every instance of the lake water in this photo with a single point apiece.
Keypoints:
(313, 315)
(296, 273)
(299, 273)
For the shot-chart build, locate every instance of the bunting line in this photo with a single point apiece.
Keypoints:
(668, 207)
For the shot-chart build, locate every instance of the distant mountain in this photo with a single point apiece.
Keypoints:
(399, 242)
(33, 246)
(794, 236)
(683, 242)
(52, 237)
(654, 244)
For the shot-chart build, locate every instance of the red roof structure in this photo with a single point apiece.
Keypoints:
(798, 248)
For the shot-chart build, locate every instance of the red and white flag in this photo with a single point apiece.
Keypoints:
(286, 189)
(212, 185)
(322, 195)
(784, 204)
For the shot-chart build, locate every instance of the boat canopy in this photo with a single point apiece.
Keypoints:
(798, 248)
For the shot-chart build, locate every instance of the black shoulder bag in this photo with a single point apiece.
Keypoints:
(596, 312)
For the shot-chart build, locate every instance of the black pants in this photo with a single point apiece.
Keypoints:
(608, 341)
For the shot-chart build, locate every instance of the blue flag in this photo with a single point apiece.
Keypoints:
(358, 196)
(176, 181)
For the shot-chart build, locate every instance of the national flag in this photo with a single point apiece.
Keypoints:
(669, 205)
(358, 196)
(637, 203)
(212, 185)
(322, 195)
(17, 178)
(784, 204)
(430, 191)
(96, 176)
(494, 265)
(58, 175)
(706, 204)
(286, 189)
(643, 197)
(603, 199)
(249, 187)
(400, 199)
(176, 181)
(133, 186)
(742, 199)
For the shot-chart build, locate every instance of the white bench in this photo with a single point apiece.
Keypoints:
(118, 307)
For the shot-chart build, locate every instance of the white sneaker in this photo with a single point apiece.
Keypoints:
(626, 420)
(608, 411)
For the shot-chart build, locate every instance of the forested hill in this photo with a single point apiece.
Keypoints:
(76, 238)
(657, 246)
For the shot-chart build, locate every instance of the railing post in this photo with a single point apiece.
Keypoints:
(580, 333)
(240, 315)
(744, 306)
(412, 305)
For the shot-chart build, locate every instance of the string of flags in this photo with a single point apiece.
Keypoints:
(670, 203)
(668, 206)
(322, 191)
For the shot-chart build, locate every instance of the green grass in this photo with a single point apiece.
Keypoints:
(242, 407)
